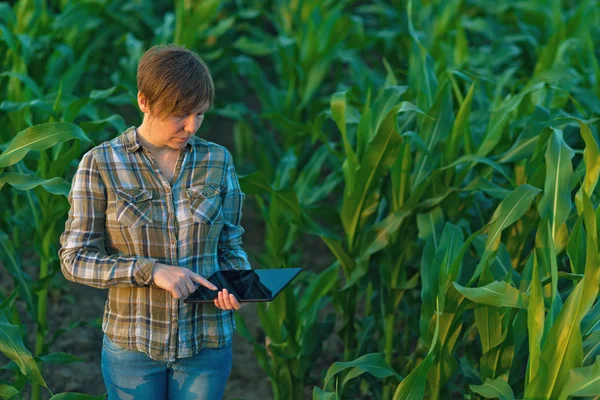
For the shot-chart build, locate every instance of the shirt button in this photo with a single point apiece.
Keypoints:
(168, 191)
(178, 167)
(173, 241)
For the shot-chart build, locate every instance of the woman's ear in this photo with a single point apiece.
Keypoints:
(143, 103)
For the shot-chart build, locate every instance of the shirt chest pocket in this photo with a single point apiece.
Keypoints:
(134, 207)
(205, 203)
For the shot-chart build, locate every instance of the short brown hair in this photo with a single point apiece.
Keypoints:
(174, 80)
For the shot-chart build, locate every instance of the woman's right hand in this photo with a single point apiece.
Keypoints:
(180, 282)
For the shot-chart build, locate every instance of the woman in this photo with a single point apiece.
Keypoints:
(154, 212)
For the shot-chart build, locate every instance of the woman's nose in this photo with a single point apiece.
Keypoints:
(192, 124)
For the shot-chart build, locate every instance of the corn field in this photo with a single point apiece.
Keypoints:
(445, 153)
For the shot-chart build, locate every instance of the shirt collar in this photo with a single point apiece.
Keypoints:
(132, 144)
(130, 140)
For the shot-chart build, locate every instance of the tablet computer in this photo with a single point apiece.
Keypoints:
(246, 285)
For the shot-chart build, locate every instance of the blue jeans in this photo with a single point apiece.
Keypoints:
(130, 374)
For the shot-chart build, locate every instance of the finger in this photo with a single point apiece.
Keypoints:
(203, 281)
(226, 300)
(221, 301)
(217, 304)
(234, 302)
(190, 287)
(176, 292)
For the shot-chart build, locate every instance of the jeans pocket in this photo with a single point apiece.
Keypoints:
(134, 207)
(205, 203)
(111, 347)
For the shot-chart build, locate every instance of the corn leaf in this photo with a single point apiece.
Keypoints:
(535, 321)
(338, 112)
(8, 391)
(320, 394)
(500, 118)
(11, 345)
(28, 181)
(413, 386)
(378, 158)
(40, 137)
(492, 389)
(563, 348)
(373, 363)
(497, 294)
(508, 212)
(583, 381)
(76, 396)
(555, 204)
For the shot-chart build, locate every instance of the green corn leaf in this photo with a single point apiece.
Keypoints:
(14, 268)
(494, 389)
(555, 204)
(60, 358)
(378, 158)
(591, 322)
(319, 287)
(320, 394)
(474, 159)
(116, 121)
(500, 119)
(487, 187)
(563, 347)
(314, 78)
(591, 156)
(30, 83)
(7, 304)
(385, 102)
(8, 391)
(254, 47)
(576, 247)
(421, 66)
(338, 112)
(535, 321)
(449, 248)
(14, 106)
(460, 127)
(434, 133)
(497, 294)
(489, 321)
(373, 363)
(431, 225)
(256, 183)
(40, 137)
(110, 92)
(508, 212)
(583, 381)
(11, 345)
(28, 181)
(525, 145)
(591, 347)
(76, 396)
(413, 386)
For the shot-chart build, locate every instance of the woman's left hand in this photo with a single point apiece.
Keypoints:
(227, 301)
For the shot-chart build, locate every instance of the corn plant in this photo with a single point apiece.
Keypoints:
(294, 333)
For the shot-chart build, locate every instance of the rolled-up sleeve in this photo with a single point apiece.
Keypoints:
(230, 252)
(82, 255)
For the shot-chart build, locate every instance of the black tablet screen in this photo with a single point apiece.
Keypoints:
(246, 285)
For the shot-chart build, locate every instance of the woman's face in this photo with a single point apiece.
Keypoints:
(172, 131)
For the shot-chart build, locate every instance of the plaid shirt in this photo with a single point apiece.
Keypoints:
(125, 216)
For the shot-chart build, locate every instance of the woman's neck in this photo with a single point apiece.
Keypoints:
(144, 137)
